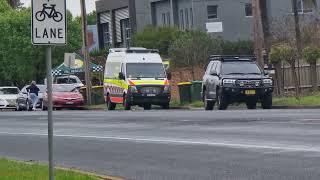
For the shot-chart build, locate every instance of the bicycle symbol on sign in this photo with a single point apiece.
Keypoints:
(55, 15)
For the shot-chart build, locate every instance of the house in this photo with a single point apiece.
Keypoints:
(230, 19)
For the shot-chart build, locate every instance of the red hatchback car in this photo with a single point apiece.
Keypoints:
(64, 96)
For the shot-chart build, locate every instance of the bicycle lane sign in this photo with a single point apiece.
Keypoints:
(49, 25)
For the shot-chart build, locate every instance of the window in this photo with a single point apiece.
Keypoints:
(163, 18)
(145, 70)
(305, 6)
(191, 18)
(168, 19)
(106, 34)
(212, 12)
(248, 9)
(187, 18)
(181, 19)
(124, 24)
(112, 70)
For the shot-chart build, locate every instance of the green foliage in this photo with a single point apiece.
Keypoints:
(4, 6)
(311, 54)
(22, 62)
(92, 18)
(193, 48)
(239, 47)
(157, 38)
(282, 52)
(275, 55)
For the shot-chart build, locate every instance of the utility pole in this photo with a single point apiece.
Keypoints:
(298, 39)
(85, 51)
(258, 33)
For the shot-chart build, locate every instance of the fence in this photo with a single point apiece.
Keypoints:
(304, 76)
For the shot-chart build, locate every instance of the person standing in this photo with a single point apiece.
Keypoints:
(33, 91)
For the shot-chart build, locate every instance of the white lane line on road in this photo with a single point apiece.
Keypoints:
(180, 142)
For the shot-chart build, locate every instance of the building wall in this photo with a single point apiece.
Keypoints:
(143, 14)
(232, 15)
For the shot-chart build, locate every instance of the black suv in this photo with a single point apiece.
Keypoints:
(236, 79)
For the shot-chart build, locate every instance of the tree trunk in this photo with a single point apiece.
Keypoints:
(279, 78)
(313, 75)
(295, 80)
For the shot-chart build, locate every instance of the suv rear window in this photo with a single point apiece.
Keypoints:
(240, 68)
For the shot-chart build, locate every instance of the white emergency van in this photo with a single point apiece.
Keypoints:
(136, 76)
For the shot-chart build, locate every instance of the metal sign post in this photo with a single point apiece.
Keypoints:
(49, 28)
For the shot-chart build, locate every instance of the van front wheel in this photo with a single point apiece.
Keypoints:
(110, 105)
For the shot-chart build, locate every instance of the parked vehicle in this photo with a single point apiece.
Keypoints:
(236, 79)
(8, 97)
(64, 96)
(136, 76)
(24, 101)
(67, 79)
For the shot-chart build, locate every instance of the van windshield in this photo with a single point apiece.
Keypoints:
(144, 70)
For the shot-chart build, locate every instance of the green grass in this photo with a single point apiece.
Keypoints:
(308, 100)
(12, 170)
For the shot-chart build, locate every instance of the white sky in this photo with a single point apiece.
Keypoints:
(72, 5)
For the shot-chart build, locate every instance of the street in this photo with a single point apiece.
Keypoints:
(172, 145)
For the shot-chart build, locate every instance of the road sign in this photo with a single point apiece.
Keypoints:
(49, 23)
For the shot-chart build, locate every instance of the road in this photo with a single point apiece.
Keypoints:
(172, 145)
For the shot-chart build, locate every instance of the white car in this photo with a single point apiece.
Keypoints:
(8, 97)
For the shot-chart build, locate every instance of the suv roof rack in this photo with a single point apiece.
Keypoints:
(232, 58)
(133, 50)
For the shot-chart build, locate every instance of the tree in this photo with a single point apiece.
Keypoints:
(275, 59)
(92, 18)
(14, 3)
(288, 54)
(193, 49)
(20, 61)
(157, 38)
(311, 55)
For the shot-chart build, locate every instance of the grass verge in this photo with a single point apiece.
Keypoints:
(13, 170)
(308, 100)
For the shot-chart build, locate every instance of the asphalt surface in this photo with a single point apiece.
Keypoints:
(172, 145)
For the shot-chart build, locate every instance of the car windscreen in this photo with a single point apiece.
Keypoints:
(5, 91)
(66, 81)
(240, 68)
(62, 88)
(145, 70)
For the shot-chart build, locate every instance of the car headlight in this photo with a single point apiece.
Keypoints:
(268, 81)
(166, 89)
(229, 81)
(133, 89)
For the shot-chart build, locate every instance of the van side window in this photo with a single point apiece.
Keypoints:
(112, 70)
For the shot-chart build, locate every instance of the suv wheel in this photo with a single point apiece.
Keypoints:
(110, 105)
(147, 106)
(165, 106)
(126, 104)
(266, 101)
(252, 104)
(222, 103)
(208, 105)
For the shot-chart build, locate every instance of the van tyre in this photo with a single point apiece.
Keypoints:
(266, 101)
(222, 103)
(126, 103)
(110, 105)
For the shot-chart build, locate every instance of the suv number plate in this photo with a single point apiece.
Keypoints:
(250, 92)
